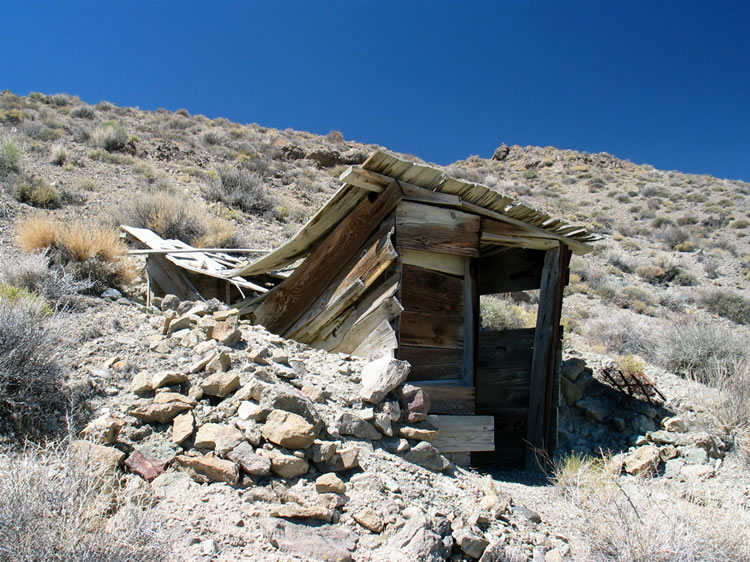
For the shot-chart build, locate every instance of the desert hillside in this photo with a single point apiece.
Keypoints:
(179, 431)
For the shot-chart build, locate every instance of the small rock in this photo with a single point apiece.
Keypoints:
(414, 402)
(103, 429)
(571, 368)
(570, 391)
(167, 397)
(180, 323)
(146, 468)
(141, 383)
(643, 460)
(182, 427)
(205, 438)
(668, 452)
(167, 379)
(594, 408)
(344, 459)
(208, 547)
(527, 513)
(226, 334)
(369, 519)
(329, 542)
(471, 543)
(219, 363)
(104, 459)
(289, 430)
(226, 439)
(673, 467)
(693, 455)
(697, 472)
(293, 510)
(675, 424)
(209, 468)
(322, 451)
(170, 302)
(383, 424)
(288, 466)
(160, 413)
(314, 393)
(426, 456)
(422, 433)
(392, 409)
(381, 376)
(349, 424)
(220, 384)
(250, 462)
(249, 411)
(330, 483)
(553, 555)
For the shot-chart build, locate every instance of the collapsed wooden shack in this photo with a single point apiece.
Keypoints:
(396, 261)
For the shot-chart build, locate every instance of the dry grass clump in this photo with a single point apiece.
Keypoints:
(36, 192)
(31, 273)
(31, 389)
(88, 252)
(624, 332)
(58, 155)
(726, 304)
(11, 154)
(639, 520)
(54, 506)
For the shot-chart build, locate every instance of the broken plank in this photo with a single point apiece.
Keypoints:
(388, 311)
(435, 229)
(289, 300)
(432, 330)
(382, 339)
(445, 263)
(458, 434)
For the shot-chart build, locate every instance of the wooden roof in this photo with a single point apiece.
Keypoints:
(420, 183)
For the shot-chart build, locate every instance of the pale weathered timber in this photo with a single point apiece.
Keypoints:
(435, 229)
(291, 299)
(444, 263)
(387, 311)
(458, 434)
(382, 338)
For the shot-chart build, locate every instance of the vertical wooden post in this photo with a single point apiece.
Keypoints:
(545, 355)
(471, 321)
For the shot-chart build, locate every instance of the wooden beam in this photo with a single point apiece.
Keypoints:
(375, 179)
(292, 297)
(435, 229)
(459, 434)
(444, 263)
(546, 340)
(432, 363)
(383, 338)
(386, 311)
(196, 251)
(471, 322)
(519, 241)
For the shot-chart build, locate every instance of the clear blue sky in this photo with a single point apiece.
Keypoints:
(664, 83)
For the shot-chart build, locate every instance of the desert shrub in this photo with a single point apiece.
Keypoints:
(625, 520)
(498, 312)
(88, 252)
(651, 273)
(726, 304)
(621, 261)
(530, 174)
(240, 188)
(31, 390)
(170, 216)
(57, 504)
(11, 155)
(740, 224)
(111, 136)
(624, 333)
(11, 116)
(36, 192)
(102, 155)
(31, 272)
(694, 347)
(212, 138)
(83, 112)
(673, 237)
(58, 154)
(630, 364)
(86, 184)
(61, 100)
(733, 381)
(335, 136)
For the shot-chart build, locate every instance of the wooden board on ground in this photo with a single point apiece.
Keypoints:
(453, 400)
(459, 434)
(424, 227)
(291, 299)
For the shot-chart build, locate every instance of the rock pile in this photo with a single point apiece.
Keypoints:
(302, 435)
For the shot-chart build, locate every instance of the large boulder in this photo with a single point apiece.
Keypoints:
(289, 430)
(381, 376)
